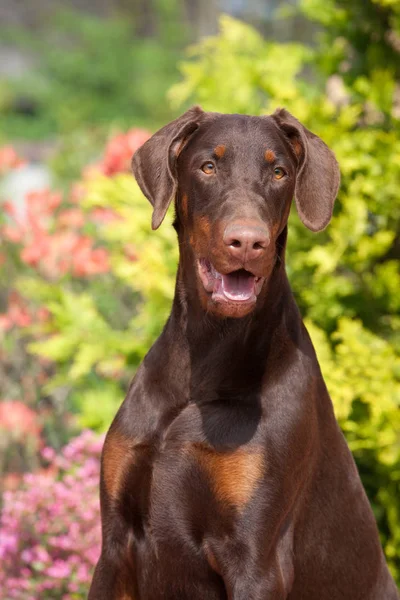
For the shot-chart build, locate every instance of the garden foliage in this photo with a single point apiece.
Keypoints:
(86, 71)
(92, 284)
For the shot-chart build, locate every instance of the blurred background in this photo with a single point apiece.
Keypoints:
(85, 287)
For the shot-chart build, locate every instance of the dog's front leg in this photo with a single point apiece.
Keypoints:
(114, 576)
(251, 582)
(109, 583)
(249, 573)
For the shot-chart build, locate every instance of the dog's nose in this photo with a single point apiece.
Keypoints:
(246, 242)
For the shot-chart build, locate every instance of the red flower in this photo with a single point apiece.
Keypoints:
(9, 159)
(118, 153)
(34, 252)
(89, 261)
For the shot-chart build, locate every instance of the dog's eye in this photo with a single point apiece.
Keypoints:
(279, 173)
(208, 168)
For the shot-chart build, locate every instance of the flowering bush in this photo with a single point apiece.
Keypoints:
(51, 239)
(55, 250)
(50, 527)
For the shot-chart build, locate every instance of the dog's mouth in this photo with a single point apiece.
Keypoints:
(239, 286)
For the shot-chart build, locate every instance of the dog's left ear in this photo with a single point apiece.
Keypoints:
(154, 163)
(318, 175)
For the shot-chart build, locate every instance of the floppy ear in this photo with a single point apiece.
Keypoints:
(154, 163)
(318, 175)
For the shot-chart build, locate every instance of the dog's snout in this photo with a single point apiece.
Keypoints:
(246, 242)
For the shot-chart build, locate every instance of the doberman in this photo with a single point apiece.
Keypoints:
(224, 473)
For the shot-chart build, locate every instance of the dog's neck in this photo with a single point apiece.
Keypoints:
(209, 347)
(199, 355)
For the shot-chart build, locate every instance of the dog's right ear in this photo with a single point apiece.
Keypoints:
(154, 163)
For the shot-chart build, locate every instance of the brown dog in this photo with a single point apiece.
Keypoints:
(224, 473)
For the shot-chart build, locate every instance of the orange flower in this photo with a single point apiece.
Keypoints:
(71, 217)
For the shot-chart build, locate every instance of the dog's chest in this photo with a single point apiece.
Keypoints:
(202, 468)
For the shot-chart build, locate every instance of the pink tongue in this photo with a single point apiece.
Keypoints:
(238, 285)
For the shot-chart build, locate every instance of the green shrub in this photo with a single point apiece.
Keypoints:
(89, 72)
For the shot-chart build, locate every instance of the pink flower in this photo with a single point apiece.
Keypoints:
(59, 570)
(48, 453)
(50, 526)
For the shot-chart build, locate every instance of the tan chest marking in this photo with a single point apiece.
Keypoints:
(118, 456)
(234, 475)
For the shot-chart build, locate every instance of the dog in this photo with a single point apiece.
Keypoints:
(224, 474)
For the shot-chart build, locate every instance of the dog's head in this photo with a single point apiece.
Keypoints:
(234, 177)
